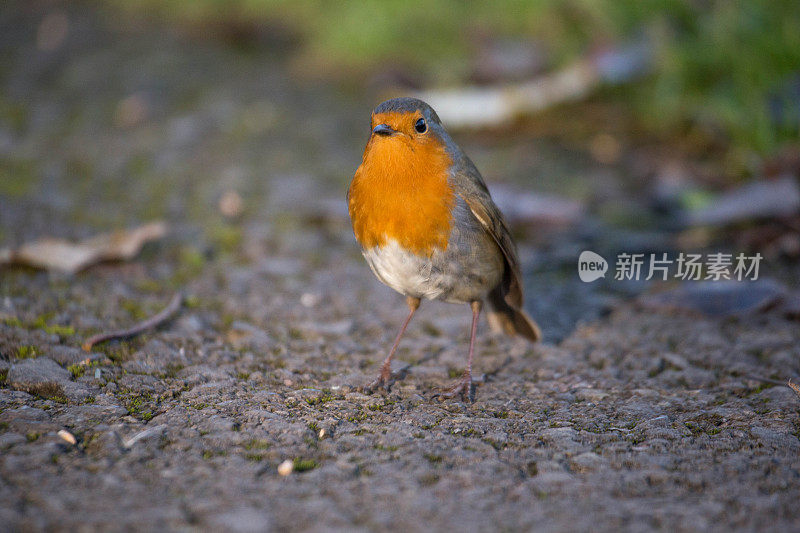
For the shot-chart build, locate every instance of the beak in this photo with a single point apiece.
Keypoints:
(383, 129)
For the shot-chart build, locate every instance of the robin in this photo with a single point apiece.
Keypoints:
(429, 228)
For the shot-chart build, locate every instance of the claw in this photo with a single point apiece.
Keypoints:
(464, 388)
(372, 386)
(385, 379)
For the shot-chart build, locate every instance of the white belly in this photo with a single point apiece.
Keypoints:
(447, 275)
(405, 272)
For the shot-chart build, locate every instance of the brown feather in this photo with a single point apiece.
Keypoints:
(506, 299)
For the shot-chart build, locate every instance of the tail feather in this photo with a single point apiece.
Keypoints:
(509, 320)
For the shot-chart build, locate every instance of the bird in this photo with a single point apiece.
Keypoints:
(429, 229)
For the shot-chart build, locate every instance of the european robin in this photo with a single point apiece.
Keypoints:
(429, 228)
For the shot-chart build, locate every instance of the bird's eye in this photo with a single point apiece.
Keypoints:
(420, 126)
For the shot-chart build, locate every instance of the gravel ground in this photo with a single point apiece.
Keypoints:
(638, 420)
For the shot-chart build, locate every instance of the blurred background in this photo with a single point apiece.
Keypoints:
(182, 165)
(612, 126)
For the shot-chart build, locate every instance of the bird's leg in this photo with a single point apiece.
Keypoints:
(385, 377)
(464, 386)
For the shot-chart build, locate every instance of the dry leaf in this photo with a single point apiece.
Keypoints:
(68, 257)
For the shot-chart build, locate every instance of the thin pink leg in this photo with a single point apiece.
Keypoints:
(476, 311)
(464, 386)
(385, 376)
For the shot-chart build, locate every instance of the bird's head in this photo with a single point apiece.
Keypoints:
(406, 121)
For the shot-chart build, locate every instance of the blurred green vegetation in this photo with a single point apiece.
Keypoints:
(732, 67)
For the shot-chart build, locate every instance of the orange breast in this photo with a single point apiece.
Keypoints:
(400, 192)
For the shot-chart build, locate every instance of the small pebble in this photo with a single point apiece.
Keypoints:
(286, 467)
(230, 205)
(97, 373)
(308, 299)
(322, 434)
(67, 436)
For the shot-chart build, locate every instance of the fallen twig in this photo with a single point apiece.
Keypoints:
(477, 107)
(152, 322)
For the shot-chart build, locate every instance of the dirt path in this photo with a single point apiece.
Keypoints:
(637, 421)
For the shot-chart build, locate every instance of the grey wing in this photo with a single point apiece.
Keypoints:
(469, 185)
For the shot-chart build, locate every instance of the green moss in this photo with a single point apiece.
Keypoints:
(325, 397)
(13, 322)
(172, 370)
(304, 465)
(138, 404)
(76, 370)
(360, 416)
(191, 262)
(433, 458)
(429, 479)
(41, 322)
(255, 457)
(49, 391)
(276, 363)
(32, 436)
(226, 237)
(61, 331)
(192, 302)
(209, 454)
(17, 177)
(149, 286)
(494, 444)
(26, 351)
(118, 351)
(134, 309)
(257, 444)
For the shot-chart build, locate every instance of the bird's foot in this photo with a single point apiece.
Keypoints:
(464, 388)
(385, 380)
